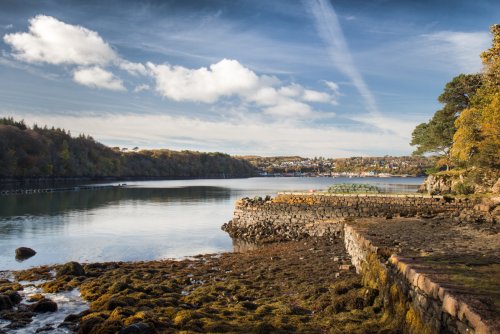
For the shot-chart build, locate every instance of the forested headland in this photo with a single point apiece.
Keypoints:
(41, 152)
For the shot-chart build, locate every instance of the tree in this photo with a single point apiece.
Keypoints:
(477, 139)
(436, 136)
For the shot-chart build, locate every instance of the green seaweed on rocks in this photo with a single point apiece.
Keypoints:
(292, 287)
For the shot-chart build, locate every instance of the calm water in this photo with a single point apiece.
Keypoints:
(143, 221)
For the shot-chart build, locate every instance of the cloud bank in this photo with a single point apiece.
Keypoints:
(229, 78)
(271, 138)
(54, 42)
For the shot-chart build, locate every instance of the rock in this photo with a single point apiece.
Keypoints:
(72, 269)
(45, 329)
(14, 297)
(88, 325)
(346, 267)
(138, 328)
(71, 322)
(35, 298)
(44, 305)
(23, 253)
(5, 302)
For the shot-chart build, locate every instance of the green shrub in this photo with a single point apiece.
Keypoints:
(353, 188)
(463, 189)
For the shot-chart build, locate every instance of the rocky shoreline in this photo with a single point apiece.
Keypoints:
(306, 286)
(427, 264)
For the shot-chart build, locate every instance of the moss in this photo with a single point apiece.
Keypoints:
(184, 316)
(415, 324)
(34, 274)
(342, 286)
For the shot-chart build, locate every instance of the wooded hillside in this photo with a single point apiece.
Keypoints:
(36, 152)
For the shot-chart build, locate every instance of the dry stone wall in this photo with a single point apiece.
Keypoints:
(293, 216)
(410, 297)
(421, 304)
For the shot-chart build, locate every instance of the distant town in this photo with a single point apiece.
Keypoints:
(342, 167)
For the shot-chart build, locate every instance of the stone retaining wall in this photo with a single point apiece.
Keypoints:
(292, 216)
(421, 305)
(413, 299)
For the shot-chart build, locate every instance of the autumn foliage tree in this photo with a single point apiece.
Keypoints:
(477, 139)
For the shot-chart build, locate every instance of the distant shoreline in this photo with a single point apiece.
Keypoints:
(31, 184)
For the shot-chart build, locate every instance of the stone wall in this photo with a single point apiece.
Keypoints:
(410, 296)
(292, 216)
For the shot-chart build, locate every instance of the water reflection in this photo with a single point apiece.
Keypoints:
(145, 220)
(243, 246)
(58, 202)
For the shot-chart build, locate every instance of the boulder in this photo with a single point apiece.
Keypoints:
(5, 302)
(44, 305)
(72, 269)
(90, 324)
(14, 297)
(23, 253)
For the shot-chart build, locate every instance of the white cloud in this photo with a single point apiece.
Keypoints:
(141, 88)
(289, 107)
(133, 68)
(265, 96)
(397, 126)
(333, 86)
(225, 78)
(54, 42)
(460, 48)
(292, 90)
(97, 77)
(315, 96)
(307, 95)
(229, 78)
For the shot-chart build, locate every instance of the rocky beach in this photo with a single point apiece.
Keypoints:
(306, 286)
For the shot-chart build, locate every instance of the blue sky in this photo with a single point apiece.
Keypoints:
(312, 77)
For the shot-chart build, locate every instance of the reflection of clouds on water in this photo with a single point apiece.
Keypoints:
(147, 220)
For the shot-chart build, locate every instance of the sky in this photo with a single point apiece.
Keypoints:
(249, 77)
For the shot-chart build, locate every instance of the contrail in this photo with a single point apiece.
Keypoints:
(330, 31)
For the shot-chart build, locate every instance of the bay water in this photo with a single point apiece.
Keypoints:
(144, 220)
